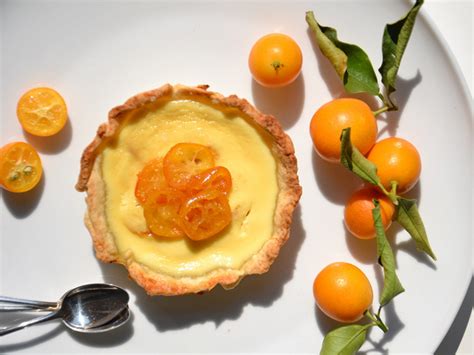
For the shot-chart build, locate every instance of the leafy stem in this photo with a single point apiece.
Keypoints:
(348, 339)
(391, 284)
(379, 111)
(406, 211)
(392, 195)
(379, 310)
(388, 101)
(375, 318)
(353, 160)
(350, 62)
(394, 42)
(353, 65)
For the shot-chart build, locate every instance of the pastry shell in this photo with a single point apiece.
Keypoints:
(90, 180)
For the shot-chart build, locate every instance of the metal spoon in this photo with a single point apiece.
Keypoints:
(84, 309)
(18, 304)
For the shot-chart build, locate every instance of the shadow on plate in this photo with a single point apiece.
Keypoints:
(335, 182)
(111, 338)
(390, 317)
(363, 250)
(285, 103)
(401, 96)
(325, 324)
(6, 348)
(53, 144)
(218, 305)
(21, 205)
(452, 339)
(409, 247)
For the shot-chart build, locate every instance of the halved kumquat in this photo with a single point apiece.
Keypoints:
(20, 167)
(161, 211)
(218, 178)
(205, 214)
(150, 179)
(184, 160)
(42, 111)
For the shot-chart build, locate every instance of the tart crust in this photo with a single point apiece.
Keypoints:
(90, 180)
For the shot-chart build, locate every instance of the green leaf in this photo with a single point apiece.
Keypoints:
(350, 62)
(391, 284)
(394, 43)
(353, 160)
(345, 340)
(335, 55)
(408, 216)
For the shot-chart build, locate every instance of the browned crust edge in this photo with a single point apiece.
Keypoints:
(90, 180)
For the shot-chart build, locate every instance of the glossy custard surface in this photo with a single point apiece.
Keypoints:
(241, 147)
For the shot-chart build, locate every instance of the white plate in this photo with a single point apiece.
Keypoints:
(97, 54)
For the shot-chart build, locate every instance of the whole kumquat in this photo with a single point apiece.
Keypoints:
(397, 160)
(342, 292)
(358, 212)
(275, 60)
(331, 118)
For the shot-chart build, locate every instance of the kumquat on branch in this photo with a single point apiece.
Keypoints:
(345, 130)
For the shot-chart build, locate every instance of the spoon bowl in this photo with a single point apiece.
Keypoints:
(118, 321)
(92, 306)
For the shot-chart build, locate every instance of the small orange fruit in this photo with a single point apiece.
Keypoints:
(150, 179)
(20, 167)
(331, 118)
(184, 160)
(358, 212)
(342, 292)
(275, 60)
(396, 160)
(42, 112)
(205, 214)
(161, 212)
(218, 178)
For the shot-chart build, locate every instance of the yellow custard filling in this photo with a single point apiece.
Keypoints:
(242, 147)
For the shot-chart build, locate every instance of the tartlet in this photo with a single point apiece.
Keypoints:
(250, 144)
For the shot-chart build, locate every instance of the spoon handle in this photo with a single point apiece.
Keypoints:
(21, 308)
(25, 305)
(8, 330)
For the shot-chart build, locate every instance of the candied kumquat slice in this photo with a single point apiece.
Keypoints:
(205, 214)
(161, 211)
(185, 160)
(218, 178)
(149, 179)
(42, 111)
(20, 167)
